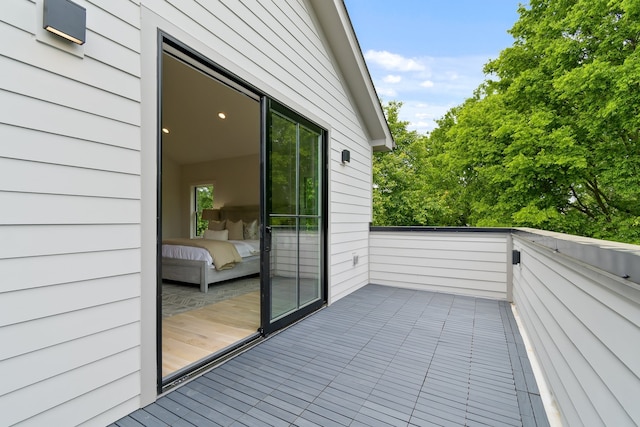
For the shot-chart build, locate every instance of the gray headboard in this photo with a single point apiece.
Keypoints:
(245, 213)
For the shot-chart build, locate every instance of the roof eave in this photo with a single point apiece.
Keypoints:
(338, 30)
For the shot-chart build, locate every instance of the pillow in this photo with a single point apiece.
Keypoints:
(216, 234)
(217, 225)
(235, 230)
(250, 230)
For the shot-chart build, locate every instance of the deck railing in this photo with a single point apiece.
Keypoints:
(578, 300)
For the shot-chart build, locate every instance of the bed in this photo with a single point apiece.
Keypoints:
(191, 260)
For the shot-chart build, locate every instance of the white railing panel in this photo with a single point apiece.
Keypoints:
(472, 262)
(584, 324)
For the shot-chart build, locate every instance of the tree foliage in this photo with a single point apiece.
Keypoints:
(204, 200)
(549, 140)
(394, 176)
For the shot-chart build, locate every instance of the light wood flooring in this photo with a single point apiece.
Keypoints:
(190, 336)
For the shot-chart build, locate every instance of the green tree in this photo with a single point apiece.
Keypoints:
(411, 184)
(396, 192)
(550, 140)
(570, 88)
(204, 200)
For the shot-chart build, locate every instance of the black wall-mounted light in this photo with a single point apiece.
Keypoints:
(65, 19)
(346, 156)
(515, 257)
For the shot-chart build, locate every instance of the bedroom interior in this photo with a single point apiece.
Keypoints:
(210, 137)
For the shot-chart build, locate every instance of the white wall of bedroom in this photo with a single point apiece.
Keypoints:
(171, 199)
(236, 183)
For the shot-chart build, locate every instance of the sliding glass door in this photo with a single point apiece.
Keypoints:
(294, 207)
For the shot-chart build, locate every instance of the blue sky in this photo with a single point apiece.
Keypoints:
(429, 54)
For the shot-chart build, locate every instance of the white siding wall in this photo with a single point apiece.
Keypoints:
(69, 218)
(584, 325)
(467, 263)
(77, 153)
(276, 46)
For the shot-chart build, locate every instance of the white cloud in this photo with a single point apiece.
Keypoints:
(392, 79)
(449, 80)
(422, 116)
(453, 75)
(422, 127)
(393, 61)
(386, 91)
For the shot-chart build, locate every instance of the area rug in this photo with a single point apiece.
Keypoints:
(178, 298)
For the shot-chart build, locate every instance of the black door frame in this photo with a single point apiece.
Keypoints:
(227, 77)
(265, 240)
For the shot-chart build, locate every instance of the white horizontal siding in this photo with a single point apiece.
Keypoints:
(344, 200)
(126, 11)
(84, 350)
(30, 113)
(115, 395)
(62, 209)
(44, 240)
(585, 328)
(42, 85)
(49, 331)
(67, 180)
(70, 220)
(91, 71)
(348, 240)
(61, 389)
(346, 282)
(18, 273)
(465, 263)
(44, 147)
(119, 57)
(43, 359)
(118, 21)
(19, 14)
(35, 303)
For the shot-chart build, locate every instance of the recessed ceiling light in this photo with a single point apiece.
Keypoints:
(165, 130)
(222, 115)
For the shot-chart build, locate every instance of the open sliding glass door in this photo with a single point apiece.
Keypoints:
(293, 217)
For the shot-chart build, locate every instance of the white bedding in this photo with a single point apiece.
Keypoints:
(246, 248)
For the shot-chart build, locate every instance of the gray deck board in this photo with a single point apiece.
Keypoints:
(380, 356)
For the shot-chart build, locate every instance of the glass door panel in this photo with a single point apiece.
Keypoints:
(310, 169)
(293, 214)
(284, 254)
(309, 244)
(283, 168)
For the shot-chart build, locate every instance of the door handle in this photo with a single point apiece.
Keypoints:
(267, 238)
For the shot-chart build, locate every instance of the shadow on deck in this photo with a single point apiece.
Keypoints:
(379, 356)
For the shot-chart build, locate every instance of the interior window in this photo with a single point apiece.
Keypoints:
(203, 199)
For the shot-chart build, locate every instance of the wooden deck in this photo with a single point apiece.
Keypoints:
(190, 336)
(380, 356)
